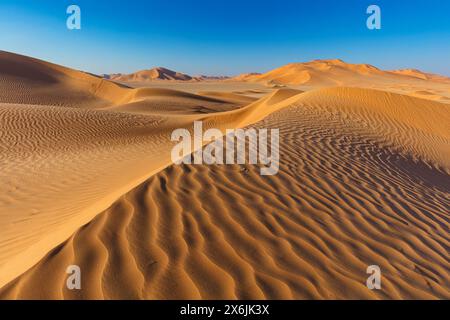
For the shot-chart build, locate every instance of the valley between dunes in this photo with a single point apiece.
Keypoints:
(87, 179)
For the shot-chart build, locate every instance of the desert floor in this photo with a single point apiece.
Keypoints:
(87, 179)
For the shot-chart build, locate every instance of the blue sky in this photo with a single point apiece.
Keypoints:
(226, 37)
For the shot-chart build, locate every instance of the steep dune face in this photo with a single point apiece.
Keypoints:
(362, 181)
(158, 73)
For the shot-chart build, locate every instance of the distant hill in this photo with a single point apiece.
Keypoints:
(421, 75)
(158, 73)
(334, 72)
(206, 78)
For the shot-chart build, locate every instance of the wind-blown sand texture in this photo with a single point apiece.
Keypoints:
(87, 179)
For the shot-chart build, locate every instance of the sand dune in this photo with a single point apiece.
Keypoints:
(159, 101)
(318, 72)
(87, 179)
(336, 72)
(308, 75)
(418, 127)
(422, 75)
(233, 97)
(345, 198)
(62, 163)
(331, 73)
(158, 73)
(247, 76)
(27, 80)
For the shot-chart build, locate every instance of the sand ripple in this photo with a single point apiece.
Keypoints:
(356, 187)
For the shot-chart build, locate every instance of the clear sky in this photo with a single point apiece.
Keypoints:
(227, 37)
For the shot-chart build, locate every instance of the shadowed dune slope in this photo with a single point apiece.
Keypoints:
(364, 179)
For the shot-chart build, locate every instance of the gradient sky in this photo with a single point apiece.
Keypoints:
(227, 37)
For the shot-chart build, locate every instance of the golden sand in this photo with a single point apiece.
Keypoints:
(87, 179)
